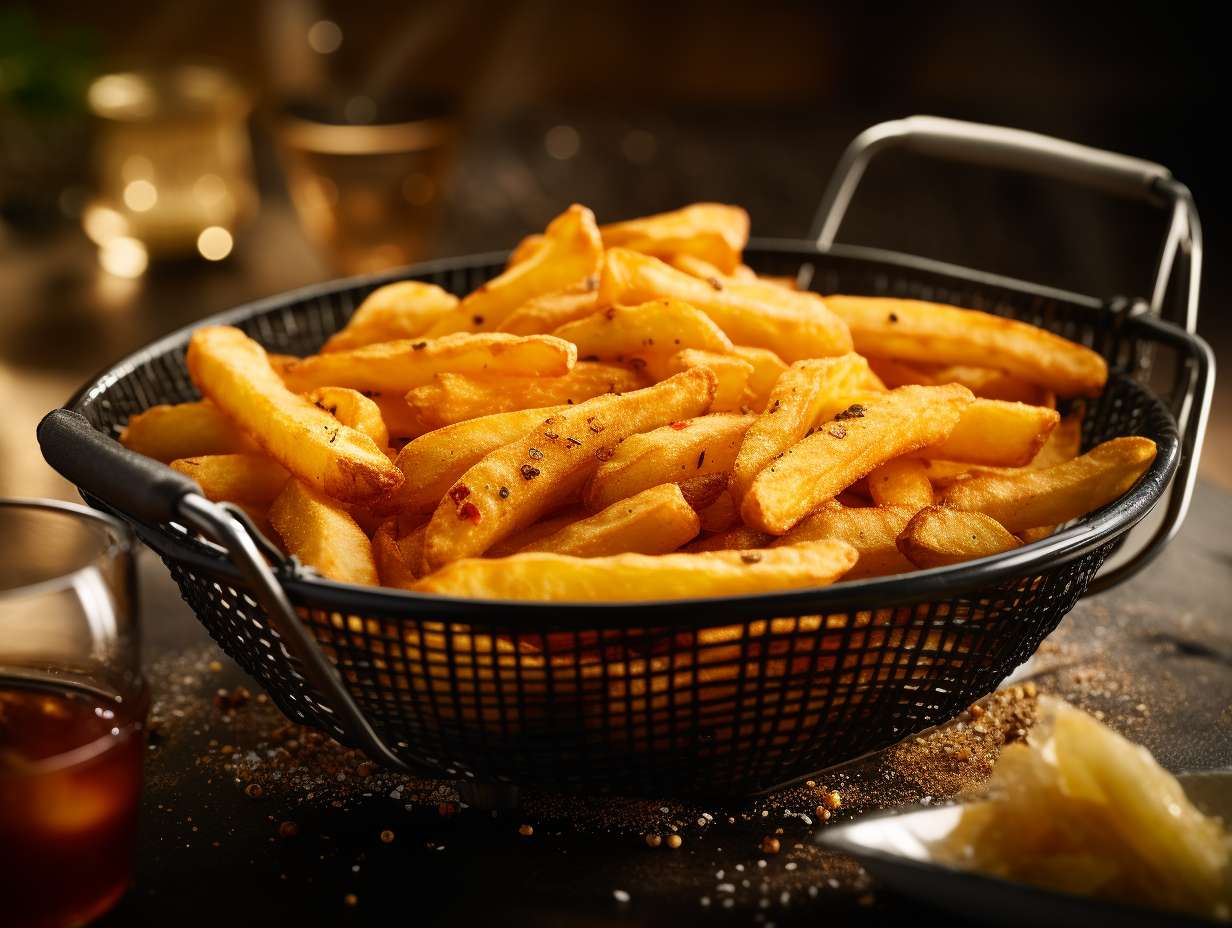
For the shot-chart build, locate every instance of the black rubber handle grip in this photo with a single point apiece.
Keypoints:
(138, 486)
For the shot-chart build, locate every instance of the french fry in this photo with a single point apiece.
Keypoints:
(550, 525)
(655, 327)
(396, 367)
(1056, 494)
(732, 372)
(184, 430)
(802, 394)
(671, 453)
(704, 491)
(996, 433)
(939, 537)
(721, 515)
(901, 482)
(395, 311)
(634, 577)
(872, 530)
(322, 534)
(526, 248)
(841, 452)
(571, 252)
(703, 269)
(895, 374)
(354, 410)
(767, 368)
(550, 311)
(398, 551)
(432, 462)
(516, 484)
(992, 384)
(793, 325)
(1063, 444)
(402, 422)
(914, 331)
(454, 397)
(232, 370)
(737, 538)
(654, 521)
(239, 478)
(712, 232)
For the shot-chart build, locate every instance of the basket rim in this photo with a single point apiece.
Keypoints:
(1032, 559)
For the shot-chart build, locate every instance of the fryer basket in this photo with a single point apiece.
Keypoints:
(723, 696)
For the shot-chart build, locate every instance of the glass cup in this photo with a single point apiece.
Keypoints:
(72, 713)
(368, 194)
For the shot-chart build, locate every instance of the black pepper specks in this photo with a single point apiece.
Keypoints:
(750, 557)
(503, 492)
(529, 473)
(854, 411)
(535, 454)
(701, 458)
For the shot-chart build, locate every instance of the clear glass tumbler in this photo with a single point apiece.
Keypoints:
(72, 713)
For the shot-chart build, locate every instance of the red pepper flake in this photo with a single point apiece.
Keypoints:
(469, 512)
(459, 493)
(419, 346)
(529, 473)
(535, 454)
(503, 492)
(680, 425)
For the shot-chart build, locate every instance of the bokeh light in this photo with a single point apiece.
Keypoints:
(123, 257)
(324, 37)
(214, 243)
(140, 195)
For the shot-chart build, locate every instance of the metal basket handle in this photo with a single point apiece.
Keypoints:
(1014, 149)
(1121, 175)
(153, 492)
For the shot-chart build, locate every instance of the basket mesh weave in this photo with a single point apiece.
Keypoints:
(718, 703)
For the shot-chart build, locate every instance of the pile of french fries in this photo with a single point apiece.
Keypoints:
(629, 412)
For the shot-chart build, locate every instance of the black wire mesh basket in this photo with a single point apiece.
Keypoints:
(720, 696)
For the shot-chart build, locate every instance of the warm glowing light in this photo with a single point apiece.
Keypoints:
(123, 257)
(140, 195)
(324, 37)
(209, 189)
(126, 95)
(214, 243)
(562, 142)
(102, 224)
(137, 167)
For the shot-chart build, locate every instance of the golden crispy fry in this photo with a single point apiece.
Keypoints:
(733, 539)
(396, 367)
(240, 478)
(895, 374)
(455, 397)
(527, 248)
(398, 551)
(938, 537)
(184, 430)
(675, 452)
(712, 232)
(704, 270)
(767, 368)
(541, 529)
(354, 410)
(656, 327)
(432, 462)
(231, 369)
(571, 252)
(1056, 494)
(1029, 535)
(280, 362)
(993, 384)
(704, 491)
(793, 325)
(996, 433)
(551, 311)
(654, 521)
(901, 482)
(721, 515)
(402, 422)
(799, 398)
(634, 577)
(841, 452)
(872, 530)
(322, 534)
(732, 372)
(1064, 444)
(396, 311)
(514, 485)
(912, 330)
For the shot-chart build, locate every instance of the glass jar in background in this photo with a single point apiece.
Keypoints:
(368, 185)
(173, 165)
(72, 713)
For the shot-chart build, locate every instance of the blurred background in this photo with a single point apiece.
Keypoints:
(161, 162)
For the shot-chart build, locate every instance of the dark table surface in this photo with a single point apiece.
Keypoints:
(1154, 657)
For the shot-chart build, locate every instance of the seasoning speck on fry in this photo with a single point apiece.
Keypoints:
(528, 472)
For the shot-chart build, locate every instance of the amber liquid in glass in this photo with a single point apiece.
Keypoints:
(70, 781)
